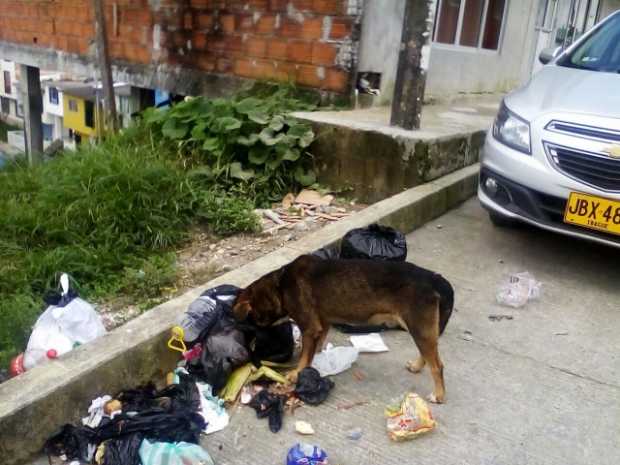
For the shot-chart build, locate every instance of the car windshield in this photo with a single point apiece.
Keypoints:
(600, 52)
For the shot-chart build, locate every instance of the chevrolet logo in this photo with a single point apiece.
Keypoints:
(613, 151)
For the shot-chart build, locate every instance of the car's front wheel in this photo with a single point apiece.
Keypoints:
(501, 221)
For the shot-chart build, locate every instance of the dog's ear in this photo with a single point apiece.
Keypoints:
(242, 308)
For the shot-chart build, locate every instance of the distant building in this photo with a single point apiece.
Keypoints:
(11, 109)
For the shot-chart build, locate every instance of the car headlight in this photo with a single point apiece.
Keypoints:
(512, 130)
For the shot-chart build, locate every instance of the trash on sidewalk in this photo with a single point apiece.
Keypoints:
(303, 427)
(96, 411)
(354, 433)
(122, 451)
(180, 453)
(374, 242)
(235, 383)
(206, 310)
(311, 387)
(306, 454)
(333, 360)
(312, 197)
(67, 322)
(271, 406)
(409, 418)
(212, 409)
(518, 290)
(372, 342)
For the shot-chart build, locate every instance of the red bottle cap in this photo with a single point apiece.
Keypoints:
(52, 353)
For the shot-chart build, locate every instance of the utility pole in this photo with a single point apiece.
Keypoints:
(412, 63)
(101, 40)
(30, 87)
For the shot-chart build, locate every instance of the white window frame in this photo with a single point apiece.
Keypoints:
(459, 26)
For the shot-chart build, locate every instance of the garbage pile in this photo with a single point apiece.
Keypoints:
(299, 211)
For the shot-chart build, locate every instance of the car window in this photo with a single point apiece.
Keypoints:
(600, 52)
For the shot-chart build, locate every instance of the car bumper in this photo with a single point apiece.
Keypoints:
(531, 191)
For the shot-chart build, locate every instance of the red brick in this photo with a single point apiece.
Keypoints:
(300, 52)
(243, 68)
(245, 23)
(323, 53)
(284, 71)
(276, 48)
(340, 29)
(188, 20)
(199, 40)
(224, 65)
(336, 80)
(302, 5)
(136, 53)
(278, 5)
(256, 47)
(200, 3)
(308, 75)
(227, 23)
(136, 16)
(205, 62)
(205, 21)
(329, 7)
(266, 24)
(312, 28)
(290, 29)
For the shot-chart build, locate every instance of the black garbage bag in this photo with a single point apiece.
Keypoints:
(183, 395)
(269, 405)
(311, 388)
(71, 441)
(123, 451)
(374, 242)
(272, 343)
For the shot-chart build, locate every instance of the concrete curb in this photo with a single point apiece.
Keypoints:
(36, 404)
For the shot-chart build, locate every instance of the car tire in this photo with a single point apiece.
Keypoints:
(501, 221)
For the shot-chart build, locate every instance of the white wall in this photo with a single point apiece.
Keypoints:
(608, 7)
(453, 70)
(48, 107)
(10, 67)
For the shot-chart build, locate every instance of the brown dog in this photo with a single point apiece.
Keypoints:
(316, 293)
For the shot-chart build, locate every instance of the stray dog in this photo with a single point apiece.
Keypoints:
(316, 293)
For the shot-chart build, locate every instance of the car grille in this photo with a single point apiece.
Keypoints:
(580, 130)
(593, 169)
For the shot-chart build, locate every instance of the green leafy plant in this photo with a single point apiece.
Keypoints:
(245, 144)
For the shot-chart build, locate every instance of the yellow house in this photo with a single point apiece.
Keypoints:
(81, 112)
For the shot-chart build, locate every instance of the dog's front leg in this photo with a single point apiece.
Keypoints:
(308, 347)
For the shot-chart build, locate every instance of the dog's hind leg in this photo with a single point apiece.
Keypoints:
(425, 333)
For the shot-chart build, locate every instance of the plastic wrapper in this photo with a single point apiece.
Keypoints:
(181, 453)
(333, 360)
(518, 290)
(409, 418)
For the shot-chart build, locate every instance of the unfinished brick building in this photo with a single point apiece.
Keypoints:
(191, 46)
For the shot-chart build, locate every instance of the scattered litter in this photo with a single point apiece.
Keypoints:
(500, 317)
(333, 360)
(180, 453)
(354, 434)
(273, 217)
(311, 197)
(271, 406)
(352, 404)
(311, 387)
(16, 367)
(68, 322)
(96, 411)
(246, 395)
(439, 226)
(562, 333)
(369, 343)
(374, 242)
(466, 336)
(212, 409)
(408, 418)
(306, 454)
(235, 382)
(121, 451)
(518, 290)
(303, 427)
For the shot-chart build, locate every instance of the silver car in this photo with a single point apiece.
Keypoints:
(552, 158)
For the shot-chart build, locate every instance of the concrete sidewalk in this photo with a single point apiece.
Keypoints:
(540, 389)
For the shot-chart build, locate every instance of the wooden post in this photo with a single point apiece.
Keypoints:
(30, 86)
(105, 69)
(412, 63)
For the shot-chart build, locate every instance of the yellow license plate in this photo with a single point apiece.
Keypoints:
(593, 212)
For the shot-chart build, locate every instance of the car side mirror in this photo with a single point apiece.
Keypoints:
(548, 54)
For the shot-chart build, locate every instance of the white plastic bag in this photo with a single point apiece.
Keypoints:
(333, 360)
(60, 328)
(173, 453)
(372, 342)
(518, 290)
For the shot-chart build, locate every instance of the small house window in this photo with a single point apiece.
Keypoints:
(89, 114)
(5, 104)
(53, 95)
(48, 131)
(7, 82)
(470, 23)
(73, 106)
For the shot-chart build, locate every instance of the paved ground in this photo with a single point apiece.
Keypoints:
(543, 388)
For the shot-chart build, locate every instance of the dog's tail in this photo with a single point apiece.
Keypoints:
(446, 300)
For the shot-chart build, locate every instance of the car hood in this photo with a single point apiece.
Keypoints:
(561, 89)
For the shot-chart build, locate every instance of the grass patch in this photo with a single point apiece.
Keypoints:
(112, 215)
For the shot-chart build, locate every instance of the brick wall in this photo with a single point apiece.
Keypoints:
(310, 42)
